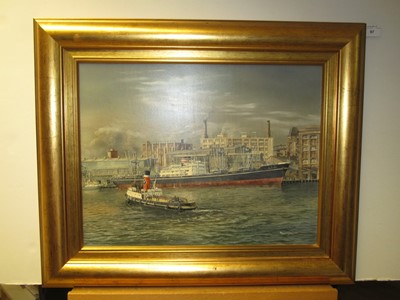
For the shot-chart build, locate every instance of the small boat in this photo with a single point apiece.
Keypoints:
(91, 185)
(153, 197)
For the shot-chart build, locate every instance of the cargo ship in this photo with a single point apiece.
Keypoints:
(189, 177)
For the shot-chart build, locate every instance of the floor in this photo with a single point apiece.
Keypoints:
(367, 290)
(370, 290)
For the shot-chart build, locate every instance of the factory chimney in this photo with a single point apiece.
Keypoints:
(268, 129)
(205, 129)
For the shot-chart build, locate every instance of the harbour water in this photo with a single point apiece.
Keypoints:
(240, 215)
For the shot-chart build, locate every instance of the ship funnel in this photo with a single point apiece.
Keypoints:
(147, 181)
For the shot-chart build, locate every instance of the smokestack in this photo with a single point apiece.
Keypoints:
(268, 129)
(147, 181)
(205, 129)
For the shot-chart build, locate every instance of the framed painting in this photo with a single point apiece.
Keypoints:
(198, 153)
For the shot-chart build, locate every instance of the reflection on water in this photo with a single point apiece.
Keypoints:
(242, 215)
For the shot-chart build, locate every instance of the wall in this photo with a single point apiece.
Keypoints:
(378, 241)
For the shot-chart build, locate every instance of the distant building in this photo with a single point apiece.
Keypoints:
(112, 153)
(106, 167)
(303, 150)
(280, 151)
(160, 150)
(256, 144)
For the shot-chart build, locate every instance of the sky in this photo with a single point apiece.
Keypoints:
(124, 105)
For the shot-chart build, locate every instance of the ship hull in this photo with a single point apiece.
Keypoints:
(267, 175)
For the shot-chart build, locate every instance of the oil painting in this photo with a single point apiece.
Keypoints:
(200, 154)
(177, 153)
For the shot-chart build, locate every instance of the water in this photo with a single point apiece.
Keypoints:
(242, 215)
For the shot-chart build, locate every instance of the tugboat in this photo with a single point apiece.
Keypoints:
(153, 197)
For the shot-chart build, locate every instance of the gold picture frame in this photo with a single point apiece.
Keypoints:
(61, 44)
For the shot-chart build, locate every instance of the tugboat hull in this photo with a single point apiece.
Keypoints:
(155, 198)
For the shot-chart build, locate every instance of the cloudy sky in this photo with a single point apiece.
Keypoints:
(124, 105)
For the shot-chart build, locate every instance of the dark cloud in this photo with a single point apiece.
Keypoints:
(123, 105)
